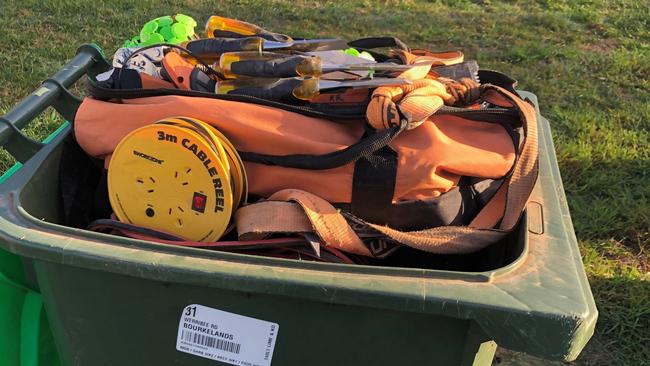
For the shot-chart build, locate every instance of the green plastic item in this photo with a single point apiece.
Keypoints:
(166, 32)
(24, 329)
(354, 52)
(367, 56)
(11, 268)
(167, 29)
(118, 301)
(168, 20)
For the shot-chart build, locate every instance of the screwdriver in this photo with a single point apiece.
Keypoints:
(209, 49)
(268, 64)
(217, 26)
(220, 27)
(298, 88)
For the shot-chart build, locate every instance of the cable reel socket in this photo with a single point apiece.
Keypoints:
(180, 176)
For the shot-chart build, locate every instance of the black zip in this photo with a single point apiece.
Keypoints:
(106, 93)
(457, 110)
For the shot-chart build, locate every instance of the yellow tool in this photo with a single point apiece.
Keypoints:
(180, 176)
(217, 26)
(220, 27)
(269, 64)
(299, 88)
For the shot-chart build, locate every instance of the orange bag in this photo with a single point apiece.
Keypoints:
(432, 158)
(439, 179)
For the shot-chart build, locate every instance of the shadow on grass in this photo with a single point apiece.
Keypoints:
(609, 199)
(609, 204)
(623, 330)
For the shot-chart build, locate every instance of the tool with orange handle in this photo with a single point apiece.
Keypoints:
(185, 75)
(220, 27)
(211, 48)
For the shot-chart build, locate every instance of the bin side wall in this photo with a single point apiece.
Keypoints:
(102, 318)
(41, 196)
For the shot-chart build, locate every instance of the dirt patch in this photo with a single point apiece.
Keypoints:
(631, 252)
(505, 357)
(602, 45)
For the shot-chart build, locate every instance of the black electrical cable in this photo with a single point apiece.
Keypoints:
(115, 224)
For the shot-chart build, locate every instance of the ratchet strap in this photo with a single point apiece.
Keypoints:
(295, 211)
(419, 100)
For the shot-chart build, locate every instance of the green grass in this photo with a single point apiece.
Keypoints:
(588, 62)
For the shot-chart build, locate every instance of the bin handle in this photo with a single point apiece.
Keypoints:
(52, 92)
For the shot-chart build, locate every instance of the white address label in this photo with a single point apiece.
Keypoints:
(226, 337)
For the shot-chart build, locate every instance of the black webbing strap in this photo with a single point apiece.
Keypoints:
(499, 79)
(378, 42)
(373, 186)
(365, 147)
(369, 44)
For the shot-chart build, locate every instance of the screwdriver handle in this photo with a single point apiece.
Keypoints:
(210, 49)
(280, 90)
(268, 64)
(232, 28)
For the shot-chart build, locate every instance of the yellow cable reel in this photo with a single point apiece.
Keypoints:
(180, 176)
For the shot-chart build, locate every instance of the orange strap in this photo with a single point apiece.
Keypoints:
(416, 101)
(425, 60)
(437, 58)
(259, 220)
(440, 58)
(321, 217)
(505, 206)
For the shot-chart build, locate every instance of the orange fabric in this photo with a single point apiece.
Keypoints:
(179, 70)
(493, 211)
(416, 101)
(506, 205)
(150, 82)
(438, 58)
(445, 57)
(417, 72)
(431, 158)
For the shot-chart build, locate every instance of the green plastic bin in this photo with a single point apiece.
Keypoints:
(119, 301)
(26, 339)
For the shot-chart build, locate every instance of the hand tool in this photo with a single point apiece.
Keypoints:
(268, 64)
(209, 49)
(296, 88)
(220, 27)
